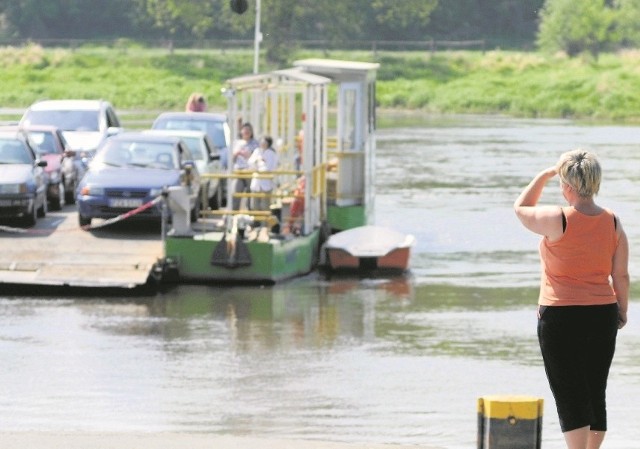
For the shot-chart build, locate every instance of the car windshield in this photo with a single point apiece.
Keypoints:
(214, 129)
(45, 142)
(139, 154)
(196, 146)
(13, 151)
(67, 120)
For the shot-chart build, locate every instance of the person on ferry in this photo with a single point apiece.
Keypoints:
(240, 158)
(296, 210)
(196, 103)
(264, 159)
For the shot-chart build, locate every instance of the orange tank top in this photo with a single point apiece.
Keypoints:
(576, 269)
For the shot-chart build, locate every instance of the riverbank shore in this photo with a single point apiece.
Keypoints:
(134, 440)
(512, 83)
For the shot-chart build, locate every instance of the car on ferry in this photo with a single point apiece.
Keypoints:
(207, 158)
(84, 123)
(62, 171)
(132, 169)
(212, 123)
(23, 188)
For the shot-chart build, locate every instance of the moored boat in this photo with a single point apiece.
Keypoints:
(369, 248)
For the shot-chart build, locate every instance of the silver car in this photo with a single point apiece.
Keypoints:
(206, 157)
(23, 186)
(84, 123)
(214, 124)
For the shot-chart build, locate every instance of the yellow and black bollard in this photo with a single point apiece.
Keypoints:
(509, 422)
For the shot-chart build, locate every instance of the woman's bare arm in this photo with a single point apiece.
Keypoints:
(543, 220)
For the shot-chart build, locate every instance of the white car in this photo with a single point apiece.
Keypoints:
(206, 157)
(214, 124)
(84, 123)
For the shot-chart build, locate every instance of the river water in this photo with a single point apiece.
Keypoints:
(391, 360)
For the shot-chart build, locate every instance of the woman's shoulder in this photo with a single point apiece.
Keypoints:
(594, 211)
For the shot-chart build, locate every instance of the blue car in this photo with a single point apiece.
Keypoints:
(23, 183)
(130, 170)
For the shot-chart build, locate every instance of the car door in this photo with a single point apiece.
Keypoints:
(39, 175)
(187, 165)
(213, 164)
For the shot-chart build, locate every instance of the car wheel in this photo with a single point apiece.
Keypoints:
(84, 221)
(30, 218)
(195, 212)
(222, 189)
(42, 211)
(70, 193)
(57, 203)
(214, 201)
(204, 195)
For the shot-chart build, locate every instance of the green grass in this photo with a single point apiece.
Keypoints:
(519, 84)
(496, 82)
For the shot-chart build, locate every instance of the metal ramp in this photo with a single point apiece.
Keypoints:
(56, 252)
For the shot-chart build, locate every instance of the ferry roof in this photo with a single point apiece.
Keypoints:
(294, 75)
(335, 66)
(298, 74)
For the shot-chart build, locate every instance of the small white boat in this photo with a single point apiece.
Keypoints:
(369, 248)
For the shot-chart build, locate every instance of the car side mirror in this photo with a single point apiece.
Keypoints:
(214, 156)
(41, 163)
(188, 165)
(113, 130)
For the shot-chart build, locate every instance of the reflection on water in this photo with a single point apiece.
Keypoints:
(399, 360)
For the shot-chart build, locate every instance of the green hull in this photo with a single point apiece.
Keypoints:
(205, 258)
(341, 218)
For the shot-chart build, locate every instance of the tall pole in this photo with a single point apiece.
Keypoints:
(257, 39)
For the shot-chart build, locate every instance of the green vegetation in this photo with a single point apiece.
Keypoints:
(495, 82)
(517, 84)
(588, 26)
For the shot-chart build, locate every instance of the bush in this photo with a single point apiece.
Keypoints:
(577, 26)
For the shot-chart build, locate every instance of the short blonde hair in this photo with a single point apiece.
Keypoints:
(581, 170)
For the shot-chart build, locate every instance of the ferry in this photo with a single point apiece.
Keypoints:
(321, 116)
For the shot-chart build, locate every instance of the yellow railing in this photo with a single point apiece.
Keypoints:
(283, 192)
(248, 174)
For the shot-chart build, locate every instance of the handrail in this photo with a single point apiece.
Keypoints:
(346, 153)
(280, 196)
(248, 174)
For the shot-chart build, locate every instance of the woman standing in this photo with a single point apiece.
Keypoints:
(584, 293)
(240, 158)
(264, 160)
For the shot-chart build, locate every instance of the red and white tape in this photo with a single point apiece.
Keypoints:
(124, 216)
(108, 222)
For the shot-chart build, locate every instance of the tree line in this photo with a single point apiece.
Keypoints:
(571, 26)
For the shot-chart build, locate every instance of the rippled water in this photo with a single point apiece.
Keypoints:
(399, 360)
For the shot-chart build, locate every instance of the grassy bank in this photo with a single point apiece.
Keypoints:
(496, 82)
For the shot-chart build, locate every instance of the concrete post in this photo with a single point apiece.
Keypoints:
(509, 422)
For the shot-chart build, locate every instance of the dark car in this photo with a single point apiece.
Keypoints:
(23, 192)
(132, 169)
